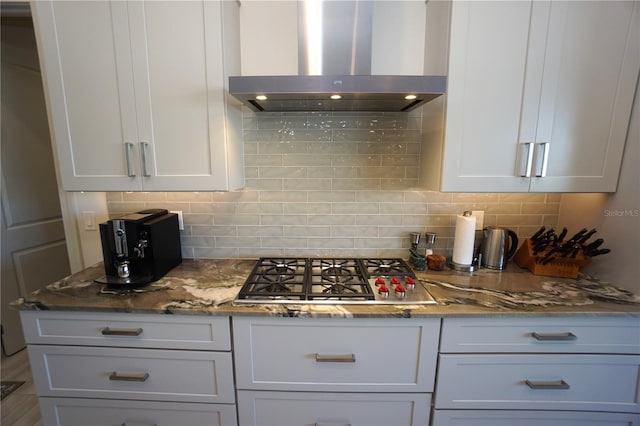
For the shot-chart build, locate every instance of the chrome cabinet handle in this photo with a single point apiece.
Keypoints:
(125, 424)
(545, 158)
(127, 153)
(115, 376)
(336, 358)
(542, 384)
(554, 337)
(332, 424)
(121, 331)
(143, 153)
(529, 160)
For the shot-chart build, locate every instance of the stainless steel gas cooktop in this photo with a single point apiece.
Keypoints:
(333, 281)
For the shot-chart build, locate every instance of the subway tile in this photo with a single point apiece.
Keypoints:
(283, 196)
(256, 252)
(264, 184)
(355, 184)
(306, 184)
(337, 243)
(289, 219)
(333, 172)
(259, 208)
(358, 135)
(250, 173)
(386, 243)
(282, 148)
(398, 184)
(357, 160)
(189, 197)
(144, 196)
(355, 231)
(264, 160)
(521, 198)
(215, 253)
(381, 172)
(282, 172)
(198, 219)
(306, 160)
(307, 231)
(113, 196)
(283, 242)
(221, 219)
(211, 208)
(222, 242)
(333, 196)
(540, 208)
(260, 231)
(333, 219)
(519, 220)
(379, 197)
(333, 148)
(307, 208)
(378, 220)
(285, 123)
(403, 208)
(355, 208)
(213, 231)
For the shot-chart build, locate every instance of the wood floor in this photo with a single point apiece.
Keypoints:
(20, 408)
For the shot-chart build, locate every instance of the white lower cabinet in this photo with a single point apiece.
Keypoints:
(531, 418)
(101, 412)
(131, 369)
(266, 408)
(373, 371)
(538, 372)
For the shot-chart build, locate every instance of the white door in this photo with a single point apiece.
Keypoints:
(34, 251)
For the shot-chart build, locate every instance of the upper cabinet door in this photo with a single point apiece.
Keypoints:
(165, 121)
(487, 64)
(590, 76)
(86, 65)
(539, 95)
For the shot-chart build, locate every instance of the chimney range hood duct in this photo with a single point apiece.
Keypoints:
(334, 67)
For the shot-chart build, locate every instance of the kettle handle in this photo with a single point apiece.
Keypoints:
(514, 243)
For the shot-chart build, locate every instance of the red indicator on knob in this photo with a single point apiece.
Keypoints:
(399, 289)
(380, 281)
(409, 281)
(395, 281)
(383, 290)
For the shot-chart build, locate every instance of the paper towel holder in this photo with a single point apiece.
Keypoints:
(460, 267)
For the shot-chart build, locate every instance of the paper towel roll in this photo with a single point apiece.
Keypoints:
(464, 238)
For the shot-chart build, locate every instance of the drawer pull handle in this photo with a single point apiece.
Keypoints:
(121, 331)
(332, 424)
(125, 424)
(142, 377)
(336, 358)
(554, 337)
(555, 384)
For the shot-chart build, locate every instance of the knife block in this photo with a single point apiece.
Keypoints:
(563, 267)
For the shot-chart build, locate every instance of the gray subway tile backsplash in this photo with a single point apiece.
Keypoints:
(331, 185)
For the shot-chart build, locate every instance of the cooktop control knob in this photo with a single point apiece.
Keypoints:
(395, 281)
(383, 290)
(380, 281)
(400, 291)
(410, 283)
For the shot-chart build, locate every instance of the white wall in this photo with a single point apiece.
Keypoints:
(616, 216)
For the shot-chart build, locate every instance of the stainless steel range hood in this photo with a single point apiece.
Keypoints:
(334, 68)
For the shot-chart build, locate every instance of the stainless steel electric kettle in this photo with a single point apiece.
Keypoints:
(498, 245)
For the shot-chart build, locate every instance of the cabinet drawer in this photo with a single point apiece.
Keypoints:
(551, 382)
(127, 330)
(531, 418)
(146, 374)
(346, 355)
(262, 408)
(103, 412)
(555, 335)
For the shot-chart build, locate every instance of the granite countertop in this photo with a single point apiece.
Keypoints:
(209, 286)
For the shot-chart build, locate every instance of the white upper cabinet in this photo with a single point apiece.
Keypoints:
(136, 93)
(539, 95)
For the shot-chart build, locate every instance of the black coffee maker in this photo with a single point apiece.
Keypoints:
(140, 248)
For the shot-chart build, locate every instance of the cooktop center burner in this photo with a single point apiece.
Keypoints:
(333, 281)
